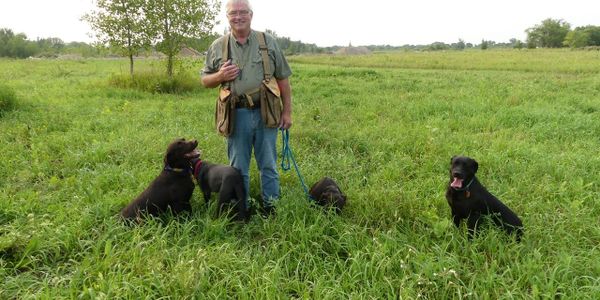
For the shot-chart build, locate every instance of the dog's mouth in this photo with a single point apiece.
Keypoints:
(194, 154)
(457, 183)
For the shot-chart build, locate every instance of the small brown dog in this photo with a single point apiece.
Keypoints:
(172, 188)
(327, 193)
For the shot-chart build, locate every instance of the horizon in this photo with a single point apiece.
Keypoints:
(334, 23)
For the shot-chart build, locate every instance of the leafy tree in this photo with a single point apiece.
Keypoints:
(593, 32)
(484, 45)
(120, 24)
(460, 45)
(173, 22)
(515, 43)
(5, 36)
(52, 46)
(577, 39)
(16, 45)
(550, 33)
(436, 46)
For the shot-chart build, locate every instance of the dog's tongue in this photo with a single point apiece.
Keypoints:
(193, 154)
(457, 183)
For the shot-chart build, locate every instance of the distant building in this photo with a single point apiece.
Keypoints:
(189, 52)
(353, 51)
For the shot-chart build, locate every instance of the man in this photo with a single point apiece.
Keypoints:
(244, 71)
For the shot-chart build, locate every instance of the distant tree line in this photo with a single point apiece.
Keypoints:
(290, 47)
(18, 46)
(550, 33)
(557, 33)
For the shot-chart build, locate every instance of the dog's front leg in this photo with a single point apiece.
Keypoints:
(456, 219)
(179, 207)
(206, 196)
(473, 223)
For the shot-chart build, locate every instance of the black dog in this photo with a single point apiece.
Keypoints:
(228, 182)
(468, 199)
(173, 187)
(327, 193)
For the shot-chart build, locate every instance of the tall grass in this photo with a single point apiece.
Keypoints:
(525, 60)
(78, 149)
(8, 99)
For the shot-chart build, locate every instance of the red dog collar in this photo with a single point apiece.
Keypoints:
(197, 168)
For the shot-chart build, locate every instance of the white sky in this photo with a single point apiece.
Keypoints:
(338, 22)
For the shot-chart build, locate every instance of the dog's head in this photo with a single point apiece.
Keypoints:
(462, 170)
(327, 193)
(180, 152)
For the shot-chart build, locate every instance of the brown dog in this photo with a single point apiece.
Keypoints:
(469, 199)
(173, 187)
(327, 193)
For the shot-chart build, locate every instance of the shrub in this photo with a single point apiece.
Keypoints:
(156, 83)
(8, 99)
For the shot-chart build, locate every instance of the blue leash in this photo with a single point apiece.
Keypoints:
(287, 155)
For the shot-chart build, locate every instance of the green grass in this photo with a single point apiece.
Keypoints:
(8, 99)
(76, 150)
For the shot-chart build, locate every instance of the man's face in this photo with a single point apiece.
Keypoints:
(239, 17)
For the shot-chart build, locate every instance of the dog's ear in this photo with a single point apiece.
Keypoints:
(474, 165)
(452, 159)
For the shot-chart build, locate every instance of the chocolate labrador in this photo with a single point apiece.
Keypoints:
(172, 188)
(327, 193)
(469, 199)
(228, 182)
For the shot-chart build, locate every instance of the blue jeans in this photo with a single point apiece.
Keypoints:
(250, 132)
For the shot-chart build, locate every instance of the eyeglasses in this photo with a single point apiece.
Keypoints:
(241, 13)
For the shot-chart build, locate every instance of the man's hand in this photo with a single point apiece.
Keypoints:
(286, 121)
(228, 71)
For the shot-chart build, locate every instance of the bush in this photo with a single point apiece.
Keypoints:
(8, 99)
(156, 83)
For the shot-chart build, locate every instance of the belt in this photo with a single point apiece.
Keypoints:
(244, 103)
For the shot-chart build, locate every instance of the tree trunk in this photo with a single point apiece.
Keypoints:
(131, 65)
(170, 65)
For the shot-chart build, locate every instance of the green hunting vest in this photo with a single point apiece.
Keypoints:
(248, 58)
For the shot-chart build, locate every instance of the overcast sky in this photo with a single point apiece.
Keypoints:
(337, 22)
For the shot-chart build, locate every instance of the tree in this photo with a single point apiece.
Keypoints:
(173, 22)
(484, 44)
(515, 43)
(551, 33)
(120, 24)
(593, 33)
(5, 36)
(16, 45)
(460, 45)
(51, 46)
(577, 39)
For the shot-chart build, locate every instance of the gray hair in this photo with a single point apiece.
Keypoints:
(231, 2)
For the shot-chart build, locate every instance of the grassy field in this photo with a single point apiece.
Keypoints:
(76, 150)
